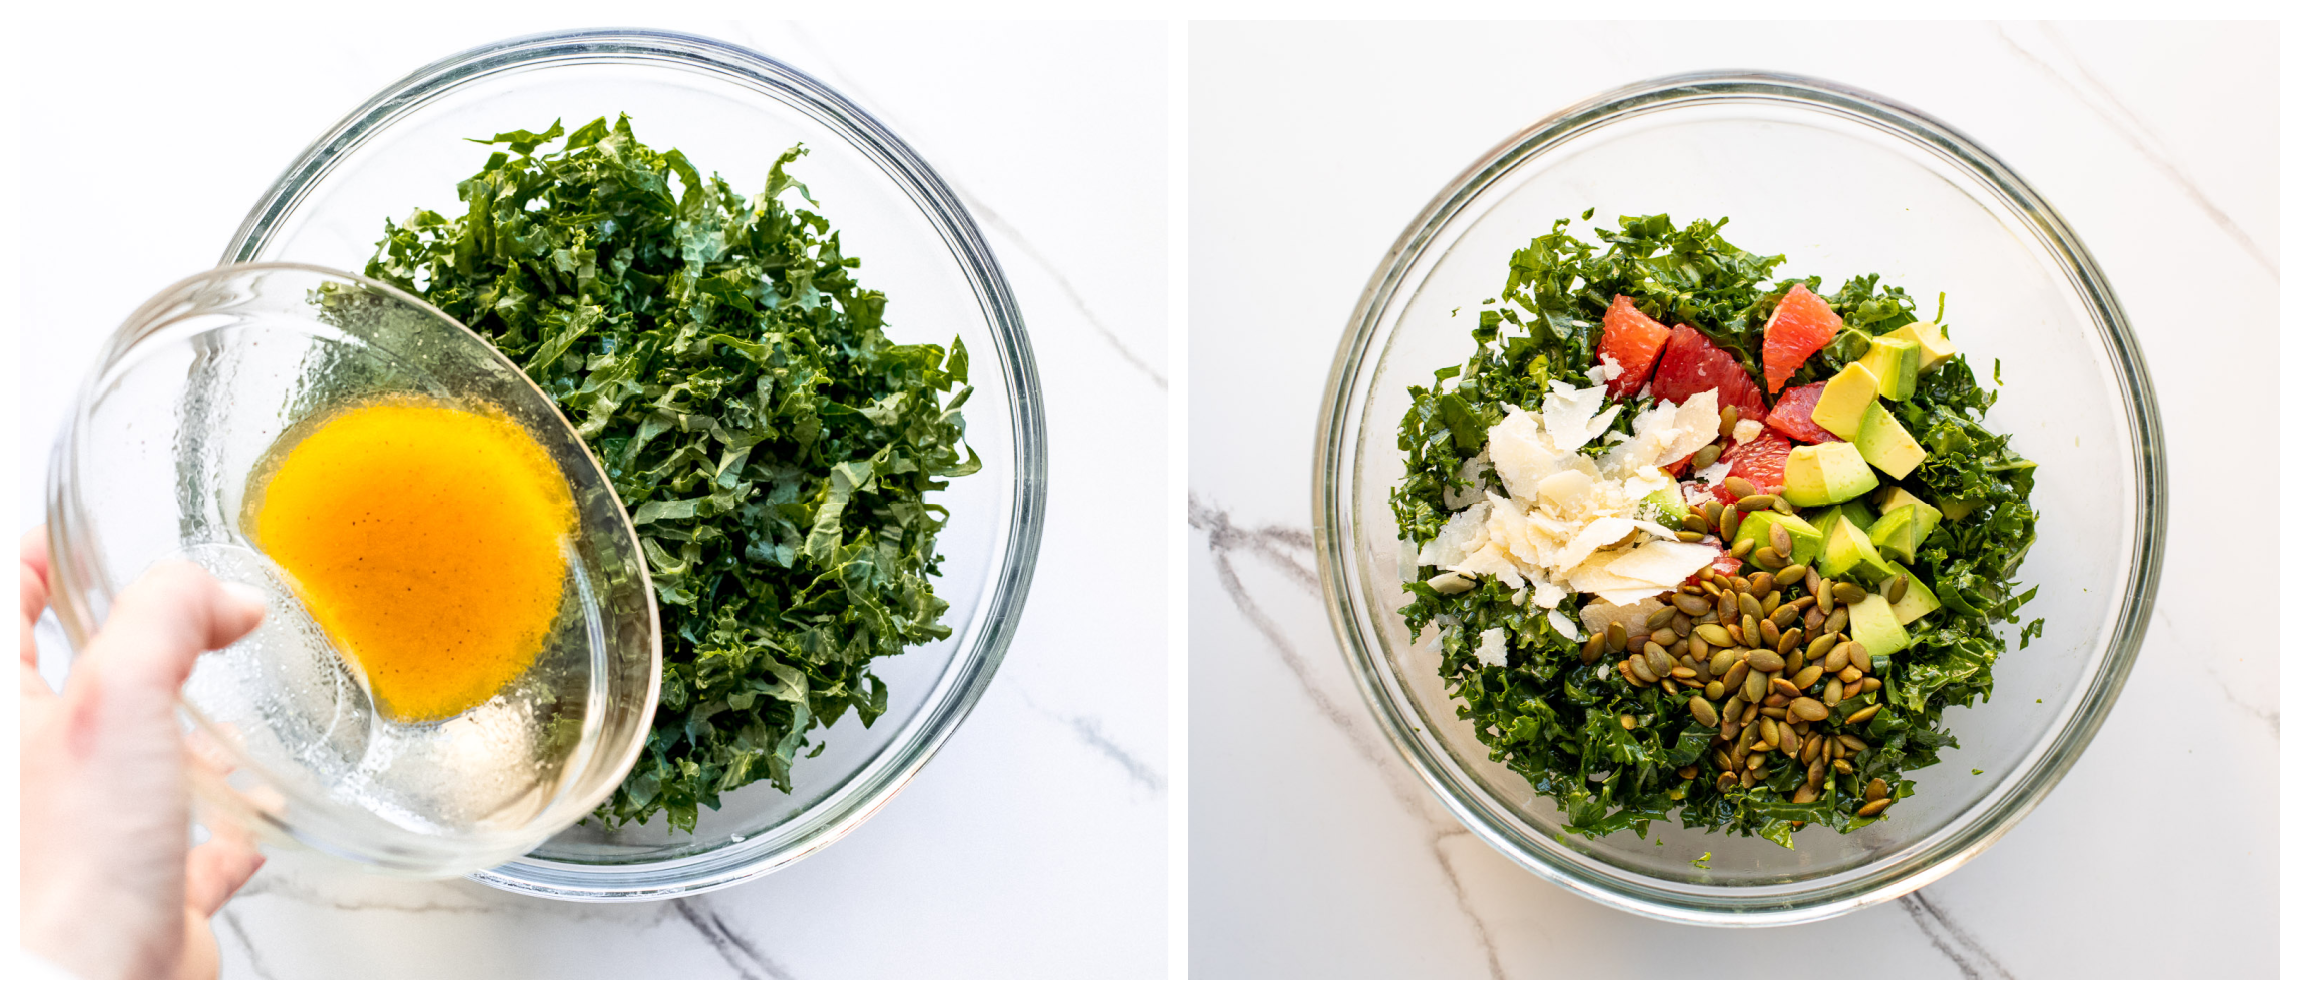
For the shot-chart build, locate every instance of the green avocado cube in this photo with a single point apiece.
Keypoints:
(1886, 444)
(1955, 510)
(1804, 538)
(1844, 398)
(1933, 346)
(1918, 602)
(1894, 363)
(1818, 474)
(1669, 504)
(1903, 530)
(1848, 553)
(1875, 627)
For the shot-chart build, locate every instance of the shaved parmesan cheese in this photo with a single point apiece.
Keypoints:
(1567, 411)
(1492, 648)
(1564, 626)
(1747, 431)
(1519, 453)
(1663, 564)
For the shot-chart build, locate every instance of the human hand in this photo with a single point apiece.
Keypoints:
(111, 884)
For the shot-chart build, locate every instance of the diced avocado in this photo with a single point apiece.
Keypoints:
(1825, 520)
(1933, 346)
(1857, 511)
(1844, 398)
(1955, 510)
(1918, 602)
(1886, 444)
(1804, 538)
(1894, 364)
(1903, 530)
(1875, 628)
(1669, 501)
(1895, 496)
(1819, 474)
(1895, 534)
(1848, 553)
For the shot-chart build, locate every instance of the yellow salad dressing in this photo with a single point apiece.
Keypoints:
(427, 541)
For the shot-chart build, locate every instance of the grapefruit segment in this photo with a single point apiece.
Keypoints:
(1694, 363)
(1801, 324)
(1633, 340)
(1793, 414)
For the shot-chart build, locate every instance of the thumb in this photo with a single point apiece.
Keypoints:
(157, 628)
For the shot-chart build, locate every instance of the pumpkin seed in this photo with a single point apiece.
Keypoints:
(1628, 674)
(1726, 781)
(1857, 656)
(1593, 649)
(1738, 487)
(1849, 676)
(1690, 604)
(1628, 721)
(1664, 635)
(1724, 762)
(1870, 684)
(1779, 536)
(1753, 687)
(1823, 597)
(1742, 742)
(1851, 743)
(1784, 616)
(1680, 622)
(1768, 557)
(1712, 511)
(1735, 671)
(1660, 617)
(1714, 689)
(1838, 619)
(1771, 732)
(1715, 634)
(1790, 575)
(1757, 769)
(1707, 456)
(1833, 692)
(1730, 524)
(1617, 637)
(1862, 716)
(1697, 648)
(1874, 808)
(1809, 710)
(1811, 752)
(1789, 741)
(1897, 589)
(1748, 780)
(1747, 604)
(1805, 678)
(1780, 686)
(1795, 661)
(1820, 647)
(1765, 660)
(1754, 503)
(1769, 606)
(1742, 547)
(1727, 418)
(1749, 635)
(1805, 793)
(1643, 670)
(1847, 592)
(1691, 536)
(1689, 771)
(1703, 712)
(1790, 640)
(1670, 685)
(1658, 656)
(1683, 674)
(1723, 660)
(1875, 790)
(1760, 584)
(1841, 766)
(1769, 633)
(1814, 620)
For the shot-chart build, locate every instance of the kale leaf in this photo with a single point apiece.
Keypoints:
(774, 448)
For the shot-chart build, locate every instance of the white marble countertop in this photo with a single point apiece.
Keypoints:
(1316, 852)
(1035, 843)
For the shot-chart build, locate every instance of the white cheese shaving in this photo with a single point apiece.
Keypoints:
(1747, 431)
(1564, 626)
(1492, 649)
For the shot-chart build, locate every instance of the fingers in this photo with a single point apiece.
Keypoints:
(32, 589)
(163, 621)
(215, 870)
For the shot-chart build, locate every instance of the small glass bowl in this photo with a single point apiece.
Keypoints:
(1844, 183)
(732, 111)
(169, 435)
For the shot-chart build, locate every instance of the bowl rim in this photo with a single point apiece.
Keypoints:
(1333, 529)
(848, 805)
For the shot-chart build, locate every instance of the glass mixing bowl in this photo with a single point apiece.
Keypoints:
(181, 417)
(1844, 183)
(731, 111)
